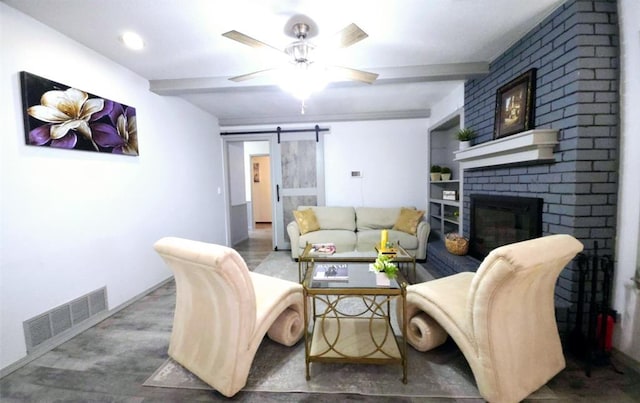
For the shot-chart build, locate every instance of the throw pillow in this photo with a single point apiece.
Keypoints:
(408, 220)
(306, 220)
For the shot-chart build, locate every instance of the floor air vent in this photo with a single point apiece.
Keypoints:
(43, 327)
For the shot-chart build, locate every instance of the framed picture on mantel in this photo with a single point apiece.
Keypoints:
(515, 105)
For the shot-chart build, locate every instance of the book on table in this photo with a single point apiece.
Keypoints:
(331, 272)
(323, 248)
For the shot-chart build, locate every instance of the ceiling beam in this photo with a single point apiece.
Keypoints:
(387, 75)
(309, 118)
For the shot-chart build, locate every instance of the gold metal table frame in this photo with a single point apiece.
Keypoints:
(403, 258)
(350, 322)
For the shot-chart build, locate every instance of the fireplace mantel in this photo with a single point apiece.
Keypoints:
(531, 146)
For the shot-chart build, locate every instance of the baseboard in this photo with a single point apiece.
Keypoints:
(63, 337)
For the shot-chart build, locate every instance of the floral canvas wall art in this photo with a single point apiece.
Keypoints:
(59, 116)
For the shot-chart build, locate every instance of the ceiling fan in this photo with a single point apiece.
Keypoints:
(305, 57)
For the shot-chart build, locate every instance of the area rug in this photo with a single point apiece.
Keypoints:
(442, 372)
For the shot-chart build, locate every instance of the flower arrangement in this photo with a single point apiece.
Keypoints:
(384, 264)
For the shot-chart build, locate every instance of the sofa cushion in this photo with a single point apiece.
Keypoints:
(367, 239)
(407, 241)
(376, 217)
(334, 217)
(408, 220)
(344, 240)
(306, 220)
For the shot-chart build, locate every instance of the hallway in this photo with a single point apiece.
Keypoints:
(255, 249)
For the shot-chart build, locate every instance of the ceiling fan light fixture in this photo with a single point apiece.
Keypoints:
(132, 40)
(304, 75)
(302, 80)
(300, 51)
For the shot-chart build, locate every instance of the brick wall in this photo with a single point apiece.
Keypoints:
(576, 53)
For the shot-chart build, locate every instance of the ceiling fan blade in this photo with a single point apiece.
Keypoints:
(249, 76)
(348, 36)
(353, 74)
(249, 41)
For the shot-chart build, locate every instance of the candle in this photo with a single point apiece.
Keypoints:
(384, 234)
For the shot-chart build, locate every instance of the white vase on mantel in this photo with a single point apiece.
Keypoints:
(464, 145)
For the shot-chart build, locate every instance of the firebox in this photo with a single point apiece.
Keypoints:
(499, 220)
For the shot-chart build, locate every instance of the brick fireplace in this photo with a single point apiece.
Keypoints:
(575, 51)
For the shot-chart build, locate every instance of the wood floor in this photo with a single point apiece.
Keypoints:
(110, 361)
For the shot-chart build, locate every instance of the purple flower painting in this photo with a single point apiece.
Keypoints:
(59, 116)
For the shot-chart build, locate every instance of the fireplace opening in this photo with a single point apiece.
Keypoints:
(499, 220)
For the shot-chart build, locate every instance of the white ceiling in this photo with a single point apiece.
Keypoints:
(421, 49)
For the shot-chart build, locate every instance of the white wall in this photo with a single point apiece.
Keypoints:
(627, 298)
(237, 194)
(448, 105)
(390, 154)
(74, 221)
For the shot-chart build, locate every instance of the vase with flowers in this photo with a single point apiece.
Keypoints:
(385, 268)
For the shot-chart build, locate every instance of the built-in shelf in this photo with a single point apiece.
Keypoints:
(454, 203)
(442, 144)
(530, 146)
(451, 219)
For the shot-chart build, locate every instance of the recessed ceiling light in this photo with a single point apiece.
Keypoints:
(132, 40)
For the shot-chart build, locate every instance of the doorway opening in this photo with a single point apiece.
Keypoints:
(249, 179)
(297, 178)
(261, 236)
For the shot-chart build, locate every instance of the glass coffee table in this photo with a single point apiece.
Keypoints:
(405, 260)
(348, 319)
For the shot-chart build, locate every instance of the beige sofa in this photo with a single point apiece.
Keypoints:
(357, 228)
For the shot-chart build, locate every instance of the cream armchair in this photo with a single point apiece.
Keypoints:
(502, 317)
(223, 311)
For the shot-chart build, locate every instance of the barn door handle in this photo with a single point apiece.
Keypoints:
(278, 193)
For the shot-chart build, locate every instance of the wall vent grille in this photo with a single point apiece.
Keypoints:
(47, 325)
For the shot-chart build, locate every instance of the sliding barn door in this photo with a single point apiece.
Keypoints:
(299, 172)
